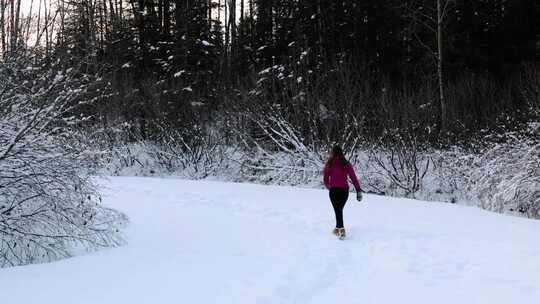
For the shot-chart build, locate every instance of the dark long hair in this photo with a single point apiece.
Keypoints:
(337, 154)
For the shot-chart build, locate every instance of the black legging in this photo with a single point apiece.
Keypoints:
(338, 197)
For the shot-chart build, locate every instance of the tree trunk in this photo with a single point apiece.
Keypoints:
(232, 21)
(320, 30)
(166, 17)
(242, 10)
(62, 24)
(442, 101)
(12, 25)
(38, 25)
(209, 8)
(3, 28)
(26, 29)
(112, 12)
(120, 10)
(16, 30)
(102, 28)
(251, 12)
(227, 26)
(46, 17)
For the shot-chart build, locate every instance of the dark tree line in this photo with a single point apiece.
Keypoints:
(442, 68)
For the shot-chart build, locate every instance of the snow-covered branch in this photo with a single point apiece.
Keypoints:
(48, 202)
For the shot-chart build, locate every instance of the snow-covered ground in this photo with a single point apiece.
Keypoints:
(212, 242)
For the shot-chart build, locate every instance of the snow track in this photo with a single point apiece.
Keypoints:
(212, 242)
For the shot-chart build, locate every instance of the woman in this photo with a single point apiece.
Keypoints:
(336, 171)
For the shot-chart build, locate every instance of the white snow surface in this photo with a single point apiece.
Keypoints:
(214, 242)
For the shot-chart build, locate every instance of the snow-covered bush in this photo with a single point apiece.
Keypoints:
(282, 168)
(129, 159)
(197, 152)
(503, 177)
(192, 153)
(49, 206)
(449, 174)
(506, 178)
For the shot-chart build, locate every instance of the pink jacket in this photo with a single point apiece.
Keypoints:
(336, 176)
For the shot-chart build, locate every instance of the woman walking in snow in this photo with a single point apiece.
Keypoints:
(336, 173)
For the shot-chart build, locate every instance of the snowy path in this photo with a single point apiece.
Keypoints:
(209, 242)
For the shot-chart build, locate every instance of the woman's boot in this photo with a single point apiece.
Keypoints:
(341, 233)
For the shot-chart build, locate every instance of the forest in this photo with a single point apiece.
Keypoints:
(447, 69)
(432, 99)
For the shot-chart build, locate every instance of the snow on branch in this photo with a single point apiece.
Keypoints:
(48, 203)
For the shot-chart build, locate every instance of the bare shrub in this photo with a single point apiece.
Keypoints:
(399, 164)
(277, 152)
(197, 152)
(287, 123)
(194, 152)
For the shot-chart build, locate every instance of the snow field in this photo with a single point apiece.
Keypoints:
(213, 242)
